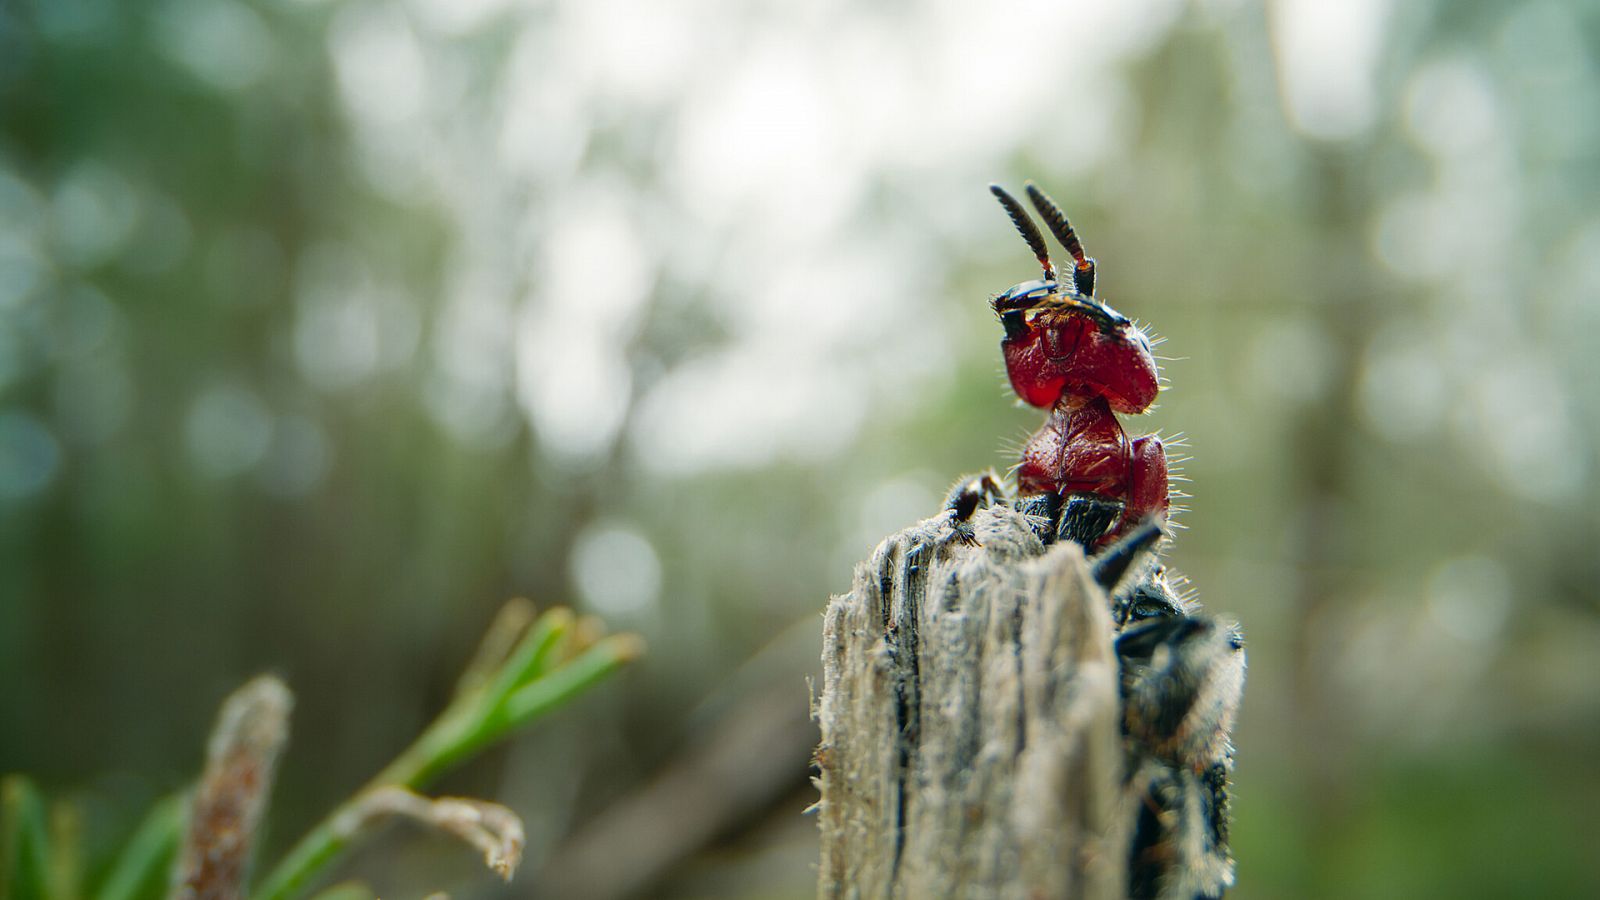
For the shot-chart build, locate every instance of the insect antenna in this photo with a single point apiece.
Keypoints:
(1056, 221)
(1030, 231)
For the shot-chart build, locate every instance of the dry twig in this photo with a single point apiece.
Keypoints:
(493, 829)
(240, 758)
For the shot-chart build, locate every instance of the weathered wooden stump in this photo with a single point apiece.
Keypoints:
(969, 716)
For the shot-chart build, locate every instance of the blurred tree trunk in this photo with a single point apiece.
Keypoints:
(970, 743)
(1348, 307)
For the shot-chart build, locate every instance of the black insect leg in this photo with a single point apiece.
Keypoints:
(969, 495)
(1181, 680)
(1127, 562)
(1180, 843)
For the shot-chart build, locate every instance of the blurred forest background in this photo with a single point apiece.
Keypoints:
(326, 327)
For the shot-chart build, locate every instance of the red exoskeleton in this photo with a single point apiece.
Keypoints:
(1071, 353)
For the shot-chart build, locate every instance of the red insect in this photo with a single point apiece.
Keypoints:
(1069, 352)
(1082, 479)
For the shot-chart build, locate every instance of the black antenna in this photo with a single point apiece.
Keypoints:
(1056, 221)
(1030, 231)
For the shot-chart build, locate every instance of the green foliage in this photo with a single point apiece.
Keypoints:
(40, 849)
(144, 866)
(25, 864)
(528, 667)
(547, 665)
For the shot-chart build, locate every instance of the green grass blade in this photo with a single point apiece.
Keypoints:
(532, 654)
(144, 867)
(544, 694)
(24, 842)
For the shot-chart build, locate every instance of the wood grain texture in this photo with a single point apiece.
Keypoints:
(970, 743)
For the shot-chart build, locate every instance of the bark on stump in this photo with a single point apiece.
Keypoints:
(970, 741)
